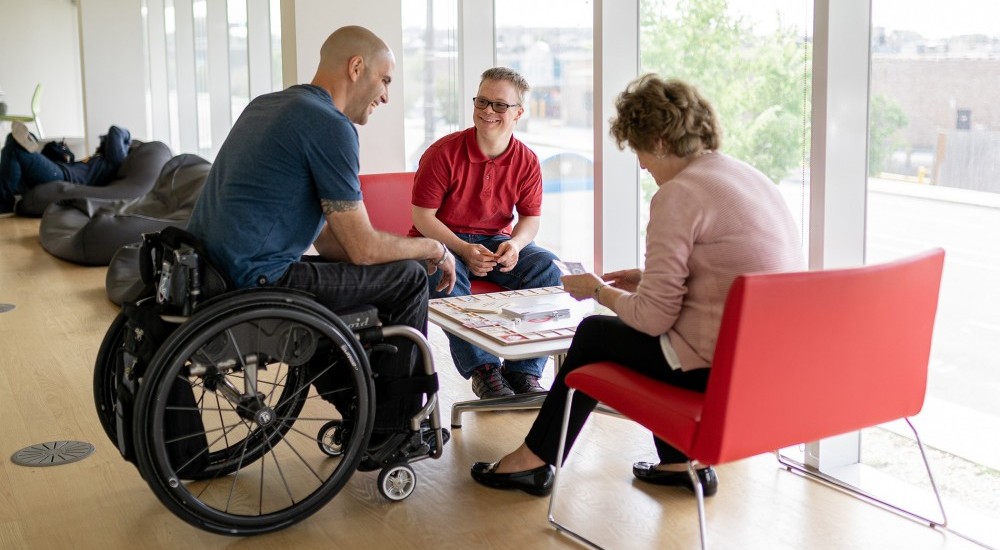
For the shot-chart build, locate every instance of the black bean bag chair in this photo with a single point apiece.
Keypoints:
(90, 231)
(136, 177)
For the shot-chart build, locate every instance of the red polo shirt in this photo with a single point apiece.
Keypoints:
(474, 193)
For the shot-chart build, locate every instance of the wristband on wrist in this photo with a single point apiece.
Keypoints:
(444, 254)
(597, 291)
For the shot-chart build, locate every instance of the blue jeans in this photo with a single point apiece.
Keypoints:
(21, 170)
(534, 269)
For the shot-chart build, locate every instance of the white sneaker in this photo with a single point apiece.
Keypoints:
(24, 137)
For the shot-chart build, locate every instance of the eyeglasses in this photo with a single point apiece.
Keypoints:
(498, 106)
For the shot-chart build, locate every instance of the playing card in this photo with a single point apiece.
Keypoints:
(570, 268)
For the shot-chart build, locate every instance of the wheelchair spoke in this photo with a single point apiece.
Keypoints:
(284, 480)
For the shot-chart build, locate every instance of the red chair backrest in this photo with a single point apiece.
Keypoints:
(387, 198)
(803, 356)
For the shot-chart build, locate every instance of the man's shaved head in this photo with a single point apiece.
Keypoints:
(355, 67)
(347, 42)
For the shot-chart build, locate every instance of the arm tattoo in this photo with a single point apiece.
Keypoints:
(331, 206)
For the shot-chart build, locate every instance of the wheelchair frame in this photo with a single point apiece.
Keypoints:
(222, 421)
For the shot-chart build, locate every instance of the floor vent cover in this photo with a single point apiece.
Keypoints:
(53, 453)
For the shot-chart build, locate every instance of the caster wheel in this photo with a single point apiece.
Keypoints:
(331, 438)
(396, 482)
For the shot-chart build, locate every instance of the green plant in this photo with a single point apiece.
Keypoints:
(758, 83)
(886, 118)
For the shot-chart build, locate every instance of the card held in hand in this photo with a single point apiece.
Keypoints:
(570, 268)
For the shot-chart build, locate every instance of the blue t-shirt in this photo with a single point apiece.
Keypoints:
(259, 210)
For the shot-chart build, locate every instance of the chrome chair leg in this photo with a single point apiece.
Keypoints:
(699, 493)
(560, 453)
(813, 473)
(555, 480)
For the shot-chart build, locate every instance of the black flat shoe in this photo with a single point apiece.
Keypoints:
(537, 481)
(646, 471)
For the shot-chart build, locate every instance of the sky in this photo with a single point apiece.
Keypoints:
(931, 18)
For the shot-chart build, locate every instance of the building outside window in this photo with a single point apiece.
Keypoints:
(934, 181)
(551, 45)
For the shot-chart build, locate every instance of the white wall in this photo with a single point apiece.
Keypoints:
(113, 67)
(39, 44)
(312, 22)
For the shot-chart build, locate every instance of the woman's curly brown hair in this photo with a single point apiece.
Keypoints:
(664, 117)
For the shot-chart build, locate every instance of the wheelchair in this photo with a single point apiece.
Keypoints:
(246, 411)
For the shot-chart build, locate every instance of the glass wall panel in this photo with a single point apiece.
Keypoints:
(183, 87)
(752, 60)
(934, 181)
(430, 77)
(170, 40)
(551, 45)
(275, 10)
(239, 65)
(204, 104)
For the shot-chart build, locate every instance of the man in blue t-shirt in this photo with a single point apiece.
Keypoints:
(287, 178)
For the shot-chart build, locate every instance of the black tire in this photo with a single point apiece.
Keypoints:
(261, 469)
(107, 367)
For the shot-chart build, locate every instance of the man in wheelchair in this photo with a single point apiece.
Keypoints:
(286, 179)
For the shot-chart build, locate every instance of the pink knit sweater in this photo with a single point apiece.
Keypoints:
(717, 219)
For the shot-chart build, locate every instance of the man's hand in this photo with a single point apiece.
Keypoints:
(507, 255)
(478, 259)
(447, 267)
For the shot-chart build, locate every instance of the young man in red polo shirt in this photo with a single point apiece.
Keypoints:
(466, 190)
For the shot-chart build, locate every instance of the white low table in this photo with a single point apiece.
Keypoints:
(555, 347)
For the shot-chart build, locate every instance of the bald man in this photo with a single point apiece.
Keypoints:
(287, 177)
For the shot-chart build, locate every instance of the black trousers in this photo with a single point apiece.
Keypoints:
(605, 338)
(399, 291)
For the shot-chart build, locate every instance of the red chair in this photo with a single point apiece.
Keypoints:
(800, 357)
(387, 199)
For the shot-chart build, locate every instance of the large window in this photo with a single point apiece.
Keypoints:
(431, 84)
(751, 60)
(551, 44)
(934, 180)
(207, 60)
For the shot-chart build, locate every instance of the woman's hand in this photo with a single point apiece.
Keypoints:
(626, 279)
(581, 286)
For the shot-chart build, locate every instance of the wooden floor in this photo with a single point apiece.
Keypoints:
(49, 342)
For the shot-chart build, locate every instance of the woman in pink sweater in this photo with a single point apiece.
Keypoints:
(711, 219)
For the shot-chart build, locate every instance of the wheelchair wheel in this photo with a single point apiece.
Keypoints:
(227, 417)
(397, 481)
(106, 371)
